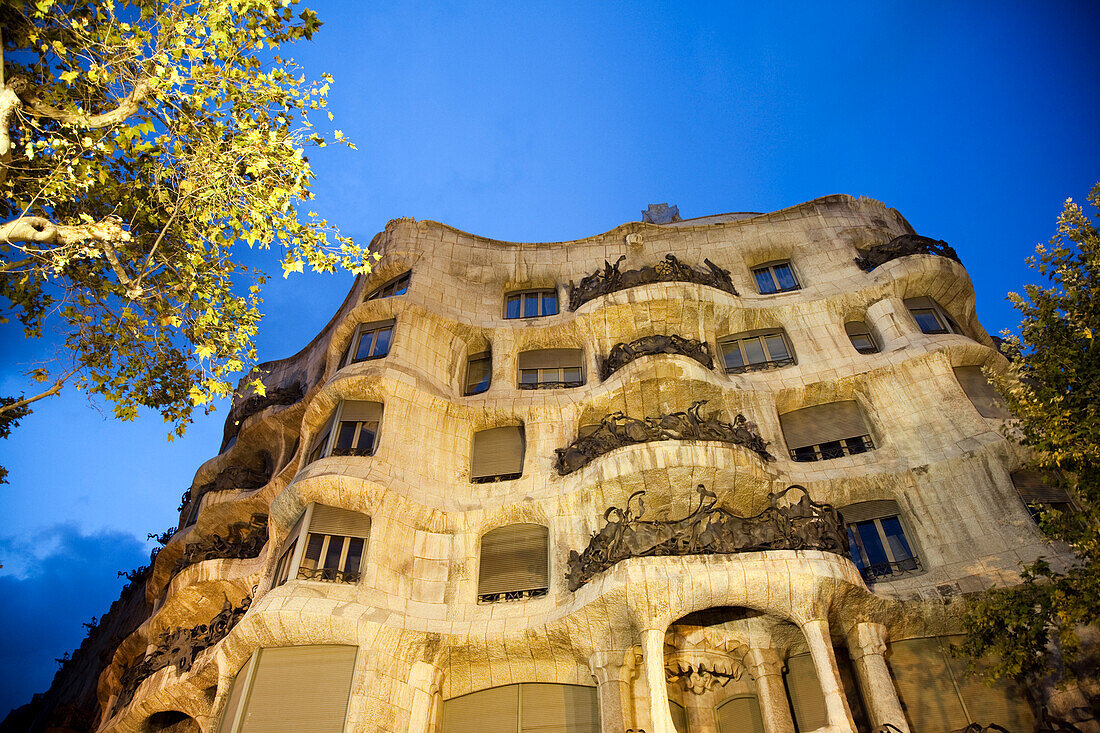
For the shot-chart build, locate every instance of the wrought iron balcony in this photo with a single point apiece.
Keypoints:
(329, 575)
(611, 280)
(514, 595)
(903, 246)
(622, 354)
(552, 384)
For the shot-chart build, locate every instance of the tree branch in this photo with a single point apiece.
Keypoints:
(28, 400)
(43, 231)
(125, 108)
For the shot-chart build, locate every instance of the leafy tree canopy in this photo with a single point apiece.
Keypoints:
(1054, 391)
(143, 143)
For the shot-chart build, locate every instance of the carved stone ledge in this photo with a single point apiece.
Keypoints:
(906, 244)
(622, 354)
(243, 540)
(179, 648)
(787, 524)
(611, 280)
(617, 430)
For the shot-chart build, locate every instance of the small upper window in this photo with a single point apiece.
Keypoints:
(531, 304)
(931, 318)
(775, 277)
(823, 432)
(987, 401)
(1039, 493)
(551, 368)
(352, 432)
(479, 373)
(398, 286)
(862, 338)
(756, 350)
(371, 341)
(876, 539)
(327, 543)
(497, 454)
(515, 563)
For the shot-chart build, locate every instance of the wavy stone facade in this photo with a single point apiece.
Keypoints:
(665, 633)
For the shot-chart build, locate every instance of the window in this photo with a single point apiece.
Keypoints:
(826, 431)
(397, 286)
(1039, 493)
(981, 393)
(754, 350)
(355, 433)
(740, 714)
(930, 317)
(862, 338)
(524, 708)
(291, 688)
(497, 454)
(371, 341)
(531, 304)
(876, 539)
(775, 277)
(551, 368)
(479, 373)
(804, 693)
(326, 544)
(515, 563)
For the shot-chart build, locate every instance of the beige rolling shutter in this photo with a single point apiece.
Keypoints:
(300, 688)
(514, 558)
(981, 392)
(822, 423)
(550, 359)
(679, 716)
(1034, 488)
(495, 710)
(865, 510)
(236, 695)
(1003, 704)
(740, 715)
(547, 708)
(856, 328)
(807, 700)
(359, 410)
(921, 302)
(497, 452)
(478, 367)
(330, 520)
(924, 686)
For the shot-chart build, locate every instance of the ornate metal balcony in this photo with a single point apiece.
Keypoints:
(515, 595)
(552, 384)
(622, 354)
(871, 573)
(801, 524)
(239, 413)
(611, 280)
(617, 430)
(906, 244)
(329, 575)
(243, 540)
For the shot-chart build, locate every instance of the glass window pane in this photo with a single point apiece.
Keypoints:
(530, 305)
(785, 277)
(872, 543)
(777, 347)
(549, 304)
(731, 354)
(928, 322)
(895, 537)
(362, 351)
(855, 549)
(355, 555)
(764, 280)
(313, 551)
(382, 342)
(512, 308)
(863, 342)
(365, 445)
(571, 374)
(528, 376)
(754, 351)
(335, 548)
(805, 453)
(345, 439)
(477, 376)
(401, 286)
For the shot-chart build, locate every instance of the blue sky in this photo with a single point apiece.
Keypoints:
(543, 122)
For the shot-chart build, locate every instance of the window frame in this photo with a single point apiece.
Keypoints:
(296, 545)
(373, 329)
(738, 341)
(378, 293)
(467, 388)
(521, 295)
(334, 427)
(892, 569)
(769, 267)
(524, 594)
(947, 324)
(852, 329)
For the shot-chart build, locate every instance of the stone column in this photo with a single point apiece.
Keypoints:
(866, 646)
(653, 651)
(891, 322)
(424, 680)
(821, 648)
(766, 667)
(613, 672)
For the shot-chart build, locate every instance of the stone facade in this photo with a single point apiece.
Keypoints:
(778, 635)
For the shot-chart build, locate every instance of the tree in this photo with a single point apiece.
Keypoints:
(1031, 630)
(143, 143)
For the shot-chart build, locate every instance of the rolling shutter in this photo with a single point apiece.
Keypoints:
(740, 715)
(679, 717)
(856, 328)
(478, 368)
(866, 510)
(1034, 488)
(497, 452)
(924, 686)
(360, 411)
(344, 522)
(300, 688)
(981, 392)
(495, 710)
(550, 359)
(514, 558)
(921, 302)
(807, 699)
(822, 424)
(1004, 704)
(236, 696)
(548, 708)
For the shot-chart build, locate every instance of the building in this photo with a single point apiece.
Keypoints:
(723, 474)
